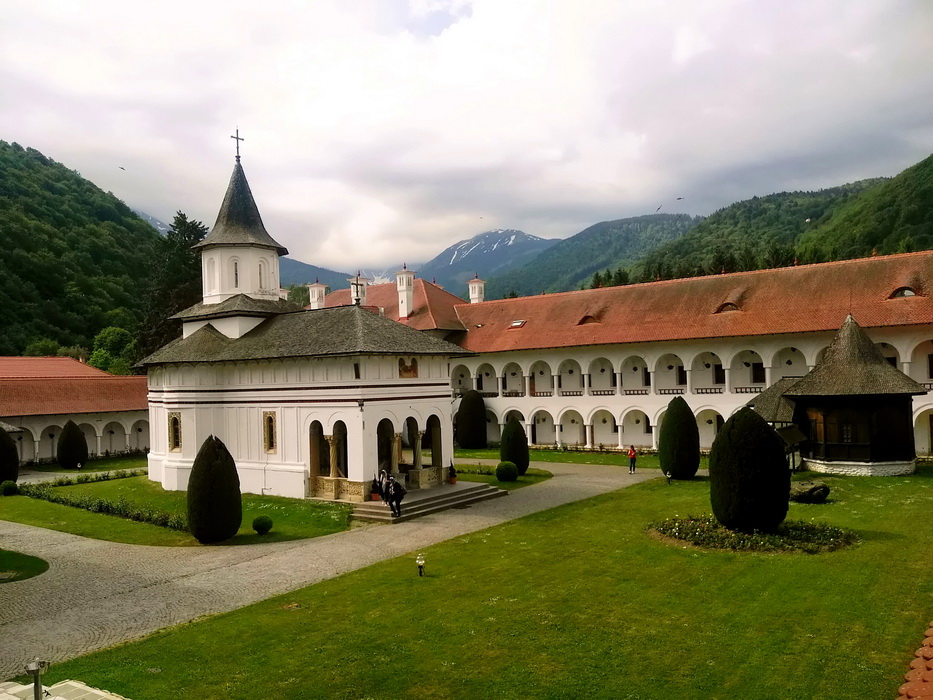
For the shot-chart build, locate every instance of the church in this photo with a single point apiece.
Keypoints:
(310, 403)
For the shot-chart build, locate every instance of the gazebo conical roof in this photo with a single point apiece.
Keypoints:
(853, 366)
(239, 222)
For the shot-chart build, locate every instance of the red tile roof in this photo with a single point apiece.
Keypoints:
(433, 306)
(46, 367)
(65, 395)
(786, 300)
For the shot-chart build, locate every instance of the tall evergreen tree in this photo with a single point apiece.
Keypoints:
(513, 445)
(176, 283)
(679, 441)
(471, 421)
(215, 507)
(72, 446)
(9, 458)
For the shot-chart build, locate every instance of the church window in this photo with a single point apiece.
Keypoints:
(517, 323)
(269, 431)
(174, 432)
(211, 275)
(236, 275)
(356, 370)
(903, 292)
(758, 373)
(262, 280)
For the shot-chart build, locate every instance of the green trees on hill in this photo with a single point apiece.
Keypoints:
(73, 255)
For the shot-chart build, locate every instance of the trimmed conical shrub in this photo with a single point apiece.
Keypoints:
(72, 446)
(514, 445)
(679, 441)
(471, 421)
(215, 510)
(9, 458)
(749, 477)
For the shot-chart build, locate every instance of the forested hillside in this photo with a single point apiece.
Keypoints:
(609, 244)
(75, 259)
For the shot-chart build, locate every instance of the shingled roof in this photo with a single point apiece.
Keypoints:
(808, 298)
(771, 405)
(68, 395)
(347, 330)
(46, 367)
(237, 305)
(239, 222)
(6, 427)
(433, 307)
(852, 366)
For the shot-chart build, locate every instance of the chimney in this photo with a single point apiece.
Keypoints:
(477, 290)
(358, 286)
(316, 294)
(405, 282)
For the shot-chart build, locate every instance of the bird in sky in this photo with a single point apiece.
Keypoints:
(679, 198)
(122, 168)
(658, 209)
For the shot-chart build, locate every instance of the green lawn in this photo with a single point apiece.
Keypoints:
(16, 567)
(95, 465)
(292, 518)
(532, 476)
(577, 601)
(645, 461)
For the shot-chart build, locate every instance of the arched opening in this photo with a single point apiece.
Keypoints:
(461, 380)
(709, 376)
(431, 445)
(90, 437)
(25, 446)
(320, 453)
(605, 430)
(636, 379)
(636, 429)
(748, 373)
(921, 364)
(572, 429)
(211, 282)
(542, 429)
(709, 421)
(486, 380)
(410, 439)
(513, 382)
(385, 442)
(890, 354)
(788, 362)
(923, 432)
(670, 375)
(493, 431)
(48, 442)
(338, 450)
(269, 432)
(602, 377)
(112, 440)
(542, 380)
(570, 378)
(139, 436)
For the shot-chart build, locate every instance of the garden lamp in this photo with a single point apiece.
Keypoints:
(419, 560)
(36, 668)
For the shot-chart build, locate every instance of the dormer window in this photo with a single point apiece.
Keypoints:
(903, 292)
(517, 323)
(586, 320)
(728, 306)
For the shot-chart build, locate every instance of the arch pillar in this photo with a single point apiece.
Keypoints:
(651, 383)
(558, 429)
(35, 444)
(98, 443)
(587, 384)
(727, 371)
(654, 437)
(333, 444)
(588, 431)
(527, 379)
(416, 450)
(527, 427)
(621, 436)
(396, 449)
(618, 386)
(767, 376)
(689, 372)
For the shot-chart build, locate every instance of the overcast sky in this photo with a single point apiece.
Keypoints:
(381, 131)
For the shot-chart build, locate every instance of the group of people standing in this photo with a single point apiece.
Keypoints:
(391, 492)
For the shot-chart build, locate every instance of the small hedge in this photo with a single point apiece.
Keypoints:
(262, 524)
(121, 508)
(506, 471)
(791, 536)
(9, 488)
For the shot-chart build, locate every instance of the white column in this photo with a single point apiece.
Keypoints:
(500, 382)
(476, 382)
(654, 437)
(618, 382)
(588, 431)
(98, 444)
(528, 427)
(689, 373)
(727, 389)
(557, 434)
(587, 384)
(621, 437)
(651, 382)
(36, 448)
(767, 376)
(527, 385)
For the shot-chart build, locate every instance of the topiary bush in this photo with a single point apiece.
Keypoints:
(72, 446)
(749, 477)
(514, 446)
(471, 421)
(262, 525)
(506, 471)
(9, 458)
(9, 488)
(809, 492)
(679, 441)
(215, 509)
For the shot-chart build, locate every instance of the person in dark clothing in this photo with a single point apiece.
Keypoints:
(396, 492)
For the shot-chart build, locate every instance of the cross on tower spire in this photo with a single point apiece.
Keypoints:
(238, 139)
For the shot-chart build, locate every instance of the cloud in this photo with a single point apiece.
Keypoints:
(380, 131)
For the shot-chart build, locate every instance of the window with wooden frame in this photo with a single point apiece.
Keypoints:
(269, 431)
(174, 432)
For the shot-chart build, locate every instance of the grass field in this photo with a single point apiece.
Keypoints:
(644, 461)
(530, 478)
(16, 567)
(292, 518)
(95, 465)
(577, 601)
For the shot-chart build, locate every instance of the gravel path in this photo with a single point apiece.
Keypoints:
(97, 594)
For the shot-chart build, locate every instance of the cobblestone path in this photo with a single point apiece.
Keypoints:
(97, 594)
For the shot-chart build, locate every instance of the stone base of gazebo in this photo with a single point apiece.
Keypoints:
(896, 468)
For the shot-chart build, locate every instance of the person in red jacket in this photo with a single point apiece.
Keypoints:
(632, 454)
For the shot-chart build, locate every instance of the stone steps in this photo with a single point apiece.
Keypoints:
(418, 503)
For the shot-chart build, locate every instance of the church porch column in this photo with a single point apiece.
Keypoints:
(419, 477)
(588, 431)
(396, 450)
(527, 382)
(36, 449)
(416, 450)
(333, 444)
(654, 437)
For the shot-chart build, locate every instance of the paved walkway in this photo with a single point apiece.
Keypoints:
(97, 594)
